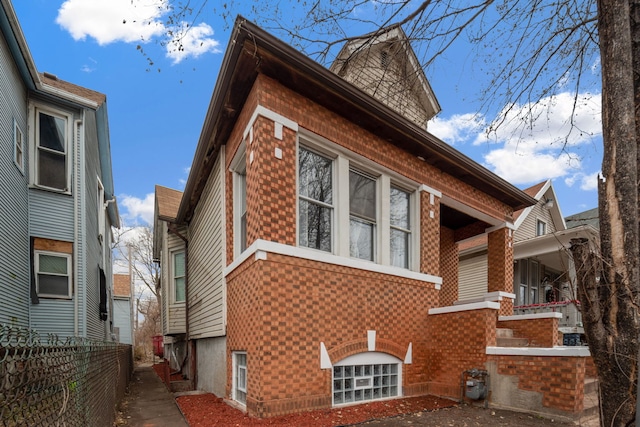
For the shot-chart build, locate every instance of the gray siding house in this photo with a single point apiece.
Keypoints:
(57, 206)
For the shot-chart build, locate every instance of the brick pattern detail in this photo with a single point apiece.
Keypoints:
(280, 309)
(430, 234)
(540, 332)
(559, 379)
(458, 342)
(590, 369)
(500, 268)
(448, 267)
(323, 122)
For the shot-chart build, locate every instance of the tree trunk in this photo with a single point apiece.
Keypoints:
(608, 287)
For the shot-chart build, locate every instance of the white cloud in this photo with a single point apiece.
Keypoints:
(553, 121)
(539, 141)
(457, 128)
(139, 21)
(109, 21)
(587, 182)
(193, 41)
(137, 209)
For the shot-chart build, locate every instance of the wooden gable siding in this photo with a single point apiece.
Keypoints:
(527, 229)
(207, 259)
(472, 277)
(389, 82)
(14, 228)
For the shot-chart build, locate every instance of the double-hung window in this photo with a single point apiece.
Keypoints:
(18, 146)
(541, 228)
(362, 215)
(53, 274)
(178, 276)
(51, 150)
(315, 178)
(400, 222)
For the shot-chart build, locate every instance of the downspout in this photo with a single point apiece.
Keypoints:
(78, 172)
(190, 353)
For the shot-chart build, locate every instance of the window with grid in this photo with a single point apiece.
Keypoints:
(358, 383)
(315, 180)
(240, 377)
(362, 215)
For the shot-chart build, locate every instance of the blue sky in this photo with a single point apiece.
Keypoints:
(156, 112)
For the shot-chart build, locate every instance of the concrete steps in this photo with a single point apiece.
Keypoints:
(505, 338)
(590, 416)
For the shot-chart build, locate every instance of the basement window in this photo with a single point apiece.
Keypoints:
(361, 382)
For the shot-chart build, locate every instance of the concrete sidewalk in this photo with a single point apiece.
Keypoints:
(149, 403)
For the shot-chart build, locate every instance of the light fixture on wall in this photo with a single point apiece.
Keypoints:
(548, 203)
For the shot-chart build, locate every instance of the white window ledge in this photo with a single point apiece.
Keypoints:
(548, 315)
(260, 248)
(535, 351)
(466, 307)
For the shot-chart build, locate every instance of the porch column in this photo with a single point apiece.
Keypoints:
(429, 205)
(500, 266)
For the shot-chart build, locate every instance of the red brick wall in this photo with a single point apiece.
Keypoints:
(448, 267)
(560, 380)
(500, 268)
(458, 342)
(430, 233)
(540, 332)
(279, 310)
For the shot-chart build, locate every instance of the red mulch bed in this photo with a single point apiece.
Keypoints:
(205, 410)
(159, 368)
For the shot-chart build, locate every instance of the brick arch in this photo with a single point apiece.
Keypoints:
(350, 348)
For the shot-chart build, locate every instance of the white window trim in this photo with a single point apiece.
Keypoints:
(18, 132)
(538, 223)
(235, 387)
(34, 109)
(36, 268)
(237, 167)
(172, 277)
(334, 219)
(344, 161)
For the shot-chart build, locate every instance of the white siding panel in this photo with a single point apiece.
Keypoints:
(206, 260)
(14, 231)
(472, 277)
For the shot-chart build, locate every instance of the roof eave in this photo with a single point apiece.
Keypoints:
(334, 84)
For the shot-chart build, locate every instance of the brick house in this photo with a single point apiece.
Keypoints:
(313, 253)
(544, 274)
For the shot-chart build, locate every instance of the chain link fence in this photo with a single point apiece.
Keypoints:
(49, 382)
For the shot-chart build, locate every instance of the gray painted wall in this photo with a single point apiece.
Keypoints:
(14, 231)
(122, 319)
(211, 355)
